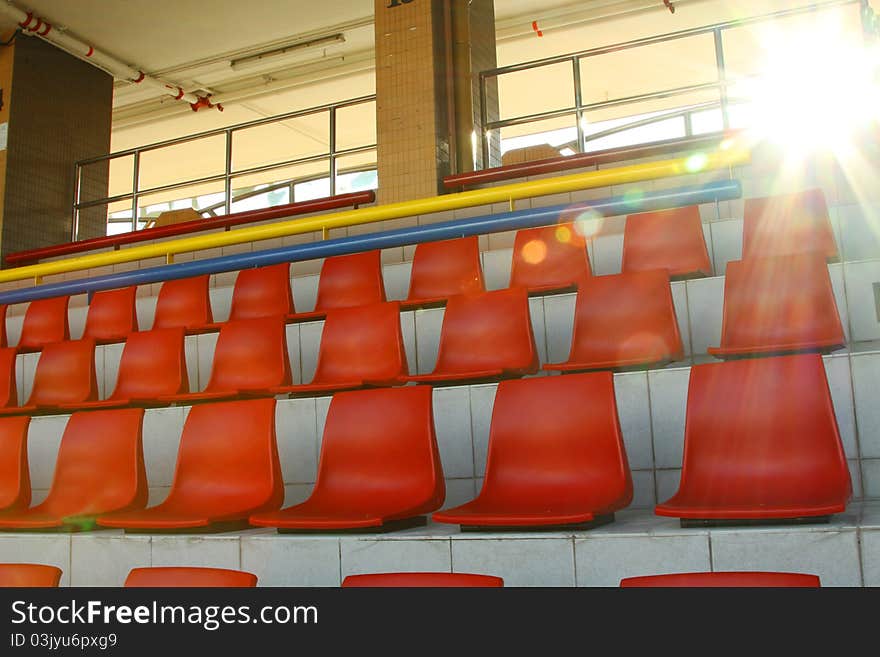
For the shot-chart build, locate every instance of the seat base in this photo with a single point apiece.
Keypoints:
(390, 526)
(213, 528)
(752, 522)
(597, 521)
(720, 353)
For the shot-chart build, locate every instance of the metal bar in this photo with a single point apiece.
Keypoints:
(722, 77)
(136, 170)
(332, 151)
(530, 118)
(227, 180)
(669, 36)
(578, 102)
(77, 190)
(617, 205)
(653, 119)
(484, 123)
(502, 194)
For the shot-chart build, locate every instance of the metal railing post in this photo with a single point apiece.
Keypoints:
(227, 179)
(136, 170)
(332, 151)
(578, 102)
(722, 75)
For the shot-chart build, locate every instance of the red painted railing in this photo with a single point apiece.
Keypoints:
(580, 161)
(276, 212)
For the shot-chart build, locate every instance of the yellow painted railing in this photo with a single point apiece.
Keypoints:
(726, 157)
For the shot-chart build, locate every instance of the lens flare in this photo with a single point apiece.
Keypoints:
(563, 234)
(534, 252)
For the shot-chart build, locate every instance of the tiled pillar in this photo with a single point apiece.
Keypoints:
(426, 58)
(56, 110)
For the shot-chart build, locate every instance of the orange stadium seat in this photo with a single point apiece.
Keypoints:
(379, 467)
(184, 303)
(347, 281)
(624, 320)
(556, 456)
(667, 239)
(421, 580)
(100, 469)
(261, 292)
(778, 305)
(153, 365)
(761, 442)
(112, 315)
(15, 482)
(787, 224)
(8, 386)
(485, 336)
(360, 347)
(65, 376)
(549, 259)
(443, 269)
(250, 358)
(188, 577)
(722, 580)
(29, 575)
(227, 469)
(45, 322)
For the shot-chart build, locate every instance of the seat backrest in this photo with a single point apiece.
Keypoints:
(45, 322)
(3, 308)
(262, 292)
(251, 354)
(8, 386)
(29, 575)
(667, 239)
(788, 223)
(15, 482)
(722, 580)
(762, 429)
(379, 446)
(549, 257)
(351, 280)
(188, 577)
(626, 319)
(65, 374)
(420, 580)
(100, 465)
(184, 303)
(492, 330)
(228, 460)
(558, 437)
(362, 344)
(152, 364)
(112, 315)
(446, 268)
(784, 302)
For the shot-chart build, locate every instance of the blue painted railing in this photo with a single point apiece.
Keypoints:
(495, 223)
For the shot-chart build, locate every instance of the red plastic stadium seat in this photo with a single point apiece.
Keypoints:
(261, 292)
(227, 468)
(485, 336)
(722, 580)
(443, 269)
(189, 577)
(379, 466)
(624, 320)
(8, 387)
(100, 469)
(549, 259)
(153, 365)
(668, 239)
(65, 376)
(250, 359)
(761, 442)
(184, 303)
(360, 347)
(556, 456)
(347, 281)
(777, 305)
(787, 224)
(111, 316)
(422, 580)
(45, 322)
(15, 483)
(29, 575)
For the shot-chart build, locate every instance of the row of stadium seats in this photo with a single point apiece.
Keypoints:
(36, 575)
(761, 445)
(546, 259)
(772, 306)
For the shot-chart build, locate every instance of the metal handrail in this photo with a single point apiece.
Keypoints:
(579, 108)
(229, 173)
